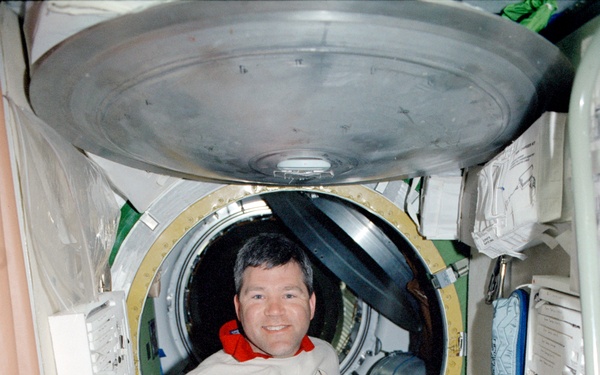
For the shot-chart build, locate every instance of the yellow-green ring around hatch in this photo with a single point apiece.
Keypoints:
(361, 195)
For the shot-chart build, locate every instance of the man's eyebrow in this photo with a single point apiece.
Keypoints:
(254, 289)
(285, 288)
(293, 287)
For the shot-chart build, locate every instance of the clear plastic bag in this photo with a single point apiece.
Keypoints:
(70, 212)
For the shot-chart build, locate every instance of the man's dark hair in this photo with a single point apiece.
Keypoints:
(270, 250)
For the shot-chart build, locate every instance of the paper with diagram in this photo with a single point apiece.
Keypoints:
(518, 190)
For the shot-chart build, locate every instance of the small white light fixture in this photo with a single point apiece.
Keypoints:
(304, 164)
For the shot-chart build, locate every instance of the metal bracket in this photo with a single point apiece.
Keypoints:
(150, 222)
(496, 284)
(452, 273)
(462, 344)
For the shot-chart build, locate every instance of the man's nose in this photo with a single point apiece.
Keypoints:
(274, 307)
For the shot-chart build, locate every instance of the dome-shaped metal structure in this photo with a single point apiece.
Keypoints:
(301, 93)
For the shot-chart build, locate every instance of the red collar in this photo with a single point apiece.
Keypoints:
(237, 346)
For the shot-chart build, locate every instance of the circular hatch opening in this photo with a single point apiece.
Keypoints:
(199, 295)
(210, 289)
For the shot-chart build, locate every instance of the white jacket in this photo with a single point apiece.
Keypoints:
(322, 360)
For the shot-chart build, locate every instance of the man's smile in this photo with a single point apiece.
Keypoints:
(274, 328)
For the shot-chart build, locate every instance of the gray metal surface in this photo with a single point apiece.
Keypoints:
(378, 275)
(399, 363)
(370, 238)
(300, 93)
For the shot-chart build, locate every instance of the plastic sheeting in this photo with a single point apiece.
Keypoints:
(70, 212)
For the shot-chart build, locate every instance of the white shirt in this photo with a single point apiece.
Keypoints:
(322, 360)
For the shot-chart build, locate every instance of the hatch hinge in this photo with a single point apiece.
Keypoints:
(452, 273)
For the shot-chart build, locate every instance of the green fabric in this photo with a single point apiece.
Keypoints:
(533, 14)
(129, 216)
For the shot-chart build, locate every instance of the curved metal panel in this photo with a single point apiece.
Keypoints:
(381, 285)
(369, 237)
(299, 93)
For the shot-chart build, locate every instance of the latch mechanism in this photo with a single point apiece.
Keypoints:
(452, 273)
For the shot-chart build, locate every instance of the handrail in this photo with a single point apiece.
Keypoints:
(581, 112)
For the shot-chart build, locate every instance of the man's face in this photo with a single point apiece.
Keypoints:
(275, 309)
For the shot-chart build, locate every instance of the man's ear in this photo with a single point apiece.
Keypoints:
(236, 304)
(313, 303)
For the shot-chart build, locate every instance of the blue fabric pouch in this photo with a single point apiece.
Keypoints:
(509, 333)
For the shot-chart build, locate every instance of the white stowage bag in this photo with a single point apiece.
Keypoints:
(520, 190)
(440, 206)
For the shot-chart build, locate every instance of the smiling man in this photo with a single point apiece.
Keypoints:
(274, 303)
